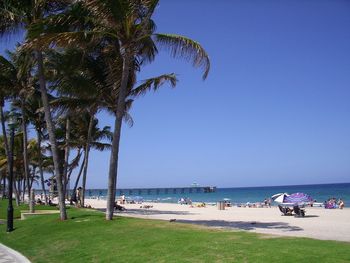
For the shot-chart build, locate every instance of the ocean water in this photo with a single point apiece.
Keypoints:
(319, 192)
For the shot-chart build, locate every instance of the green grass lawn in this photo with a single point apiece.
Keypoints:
(17, 209)
(87, 237)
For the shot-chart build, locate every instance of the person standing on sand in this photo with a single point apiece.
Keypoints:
(265, 202)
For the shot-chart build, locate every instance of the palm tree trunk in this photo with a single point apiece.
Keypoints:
(66, 156)
(77, 158)
(40, 164)
(6, 143)
(17, 195)
(21, 187)
(25, 148)
(52, 137)
(86, 157)
(32, 180)
(74, 196)
(113, 162)
(4, 184)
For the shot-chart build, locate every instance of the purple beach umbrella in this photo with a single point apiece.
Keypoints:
(297, 198)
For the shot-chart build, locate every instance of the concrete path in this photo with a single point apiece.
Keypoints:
(8, 255)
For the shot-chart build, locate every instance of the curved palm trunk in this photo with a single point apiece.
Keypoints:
(86, 157)
(52, 137)
(40, 164)
(113, 162)
(66, 157)
(74, 196)
(25, 150)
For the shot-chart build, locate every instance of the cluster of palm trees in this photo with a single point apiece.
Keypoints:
(79, 57)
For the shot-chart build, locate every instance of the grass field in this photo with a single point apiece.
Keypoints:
(87, 237)
(17, 209)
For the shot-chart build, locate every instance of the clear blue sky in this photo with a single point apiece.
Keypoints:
(274, 110)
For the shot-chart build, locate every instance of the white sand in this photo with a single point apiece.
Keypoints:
(319, 223)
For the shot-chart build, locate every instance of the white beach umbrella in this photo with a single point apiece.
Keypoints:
(278, 198)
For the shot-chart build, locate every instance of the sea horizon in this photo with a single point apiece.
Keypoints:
(319, 192)
(218, 187)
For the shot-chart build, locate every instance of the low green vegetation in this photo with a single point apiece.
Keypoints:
(87, 237)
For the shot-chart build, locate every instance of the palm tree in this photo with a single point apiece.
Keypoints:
(4, 93)
(131, 24)
(16, 15)
(17, 72)
(18, 165)
(87, 140)
(34, 112)
(127, 28)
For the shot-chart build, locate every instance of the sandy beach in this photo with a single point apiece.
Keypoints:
(319, 223)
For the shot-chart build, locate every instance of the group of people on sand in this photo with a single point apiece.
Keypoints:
(266, 203)
(185, 201)
(333, 203)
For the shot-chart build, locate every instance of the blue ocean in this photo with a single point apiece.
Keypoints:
(319, 192)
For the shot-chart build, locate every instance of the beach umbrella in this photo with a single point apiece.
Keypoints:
(279, 198)
(297, 198)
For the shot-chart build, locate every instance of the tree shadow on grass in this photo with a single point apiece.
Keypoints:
(244, 225)
(87, 215)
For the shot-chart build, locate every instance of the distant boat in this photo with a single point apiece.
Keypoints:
(194, 184)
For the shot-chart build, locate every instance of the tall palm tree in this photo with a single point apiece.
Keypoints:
(16, 15)
(127, 27)
(92, 139)
(4, 94)
(15, 77)
(130, 24)
(34, 112)
(21, 83)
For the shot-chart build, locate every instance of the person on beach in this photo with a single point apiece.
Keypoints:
(123, 199)
(265, 202)
(341, 204)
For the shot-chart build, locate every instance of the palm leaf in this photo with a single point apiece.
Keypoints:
(183, 47)
(154, 83)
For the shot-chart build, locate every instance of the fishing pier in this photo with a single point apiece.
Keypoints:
(172, 190)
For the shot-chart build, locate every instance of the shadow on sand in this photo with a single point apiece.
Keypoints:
(244, 225)
(147, 212)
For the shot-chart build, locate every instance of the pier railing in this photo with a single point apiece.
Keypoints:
(176, 190)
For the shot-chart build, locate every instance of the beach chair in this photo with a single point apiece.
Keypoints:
(286, 211)
(299, 212)
(119, 207)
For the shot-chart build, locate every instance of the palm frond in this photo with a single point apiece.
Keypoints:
(128, 119)
(154, 84)
(183, 47)
(101, 146)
